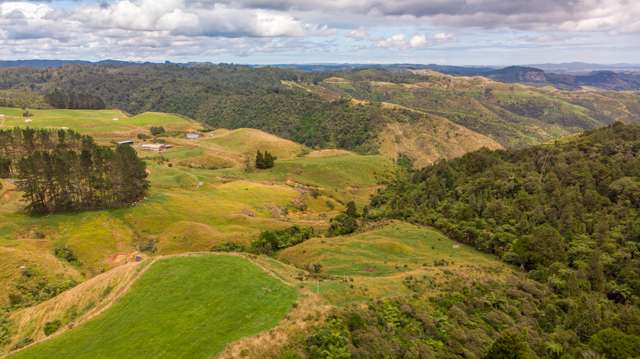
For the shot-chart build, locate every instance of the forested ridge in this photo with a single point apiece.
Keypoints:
(64, 171)
(567, 215)
(569, 212)
(315, 108)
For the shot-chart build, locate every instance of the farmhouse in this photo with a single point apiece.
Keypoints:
(193, 136)
(158, 147)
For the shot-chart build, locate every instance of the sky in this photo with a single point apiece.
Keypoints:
(451, 32)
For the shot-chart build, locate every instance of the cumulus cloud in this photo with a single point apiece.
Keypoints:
(403, 42)
(138, 28)
(584, 15)
(178, 18)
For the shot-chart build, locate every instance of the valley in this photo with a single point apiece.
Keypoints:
(419, 195)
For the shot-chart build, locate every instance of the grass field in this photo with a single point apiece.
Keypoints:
(374, 264)
(200, 196)
(102, 124)
(181, 307)
(189, 208)
(398, 247)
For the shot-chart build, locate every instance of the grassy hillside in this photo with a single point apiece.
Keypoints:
(75, 305)
(101, 124)
(200, 196)
(394, 248)
(376, 263)
(228, 298)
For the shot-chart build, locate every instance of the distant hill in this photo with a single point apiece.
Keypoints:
(610, 80)
(351, 109)
(583, 67)
(44, 64)
(518, 74)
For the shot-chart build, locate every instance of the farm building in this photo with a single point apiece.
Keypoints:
(158, 147)
(125, 142)
(193, 136)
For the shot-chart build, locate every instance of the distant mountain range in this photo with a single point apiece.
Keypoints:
(569, 76)
(604, 79)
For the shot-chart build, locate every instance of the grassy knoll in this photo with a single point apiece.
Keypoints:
(344, 177)
(182, 307)
(377, 263)
(247, 141)
(394, 248)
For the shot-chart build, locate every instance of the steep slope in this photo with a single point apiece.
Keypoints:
(430, 139)
(247, 301)
(73, 306)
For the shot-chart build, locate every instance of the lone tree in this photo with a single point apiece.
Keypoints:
(156, 130)
(265, 160)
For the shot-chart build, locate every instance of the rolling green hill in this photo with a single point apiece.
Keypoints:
(558, 221)
(200, 196)
(180, 307)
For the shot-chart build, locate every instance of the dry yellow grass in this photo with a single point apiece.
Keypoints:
(76, 305)
(430, 140)
(310, 310)
(30, 255)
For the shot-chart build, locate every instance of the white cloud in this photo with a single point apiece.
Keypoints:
(443, 37)
(418, 41)
(175, 17)
(26, 9)
(161, 28)
(359, 34)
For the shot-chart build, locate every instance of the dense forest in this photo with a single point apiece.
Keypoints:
(65, 171)
(567, 214)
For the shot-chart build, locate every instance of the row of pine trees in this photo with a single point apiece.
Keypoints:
(62, 171)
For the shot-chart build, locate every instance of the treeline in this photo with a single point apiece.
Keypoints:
(72, 100)
(518, 319)
(64, 171)
(226, 96)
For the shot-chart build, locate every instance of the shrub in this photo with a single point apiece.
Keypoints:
(265, 160)
(51, 327)
(65, 253)
(509, 345)
(615, 344)
(22, 343)
(271, 241)
(330, 341)
(5, 330)
(156, 130)
(228, 247)
(342, 224)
